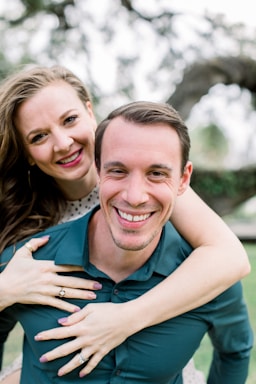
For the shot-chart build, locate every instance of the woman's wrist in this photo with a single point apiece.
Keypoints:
(136, 315)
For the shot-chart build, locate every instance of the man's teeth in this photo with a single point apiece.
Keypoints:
(129, 217)
(69, 159)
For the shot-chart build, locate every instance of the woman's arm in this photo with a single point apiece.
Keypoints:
(218, 261)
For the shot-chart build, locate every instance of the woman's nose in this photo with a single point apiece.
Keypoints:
(63, 143)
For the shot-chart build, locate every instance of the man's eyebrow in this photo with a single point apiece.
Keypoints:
(151, 166)
(113, 164)
(161, 166)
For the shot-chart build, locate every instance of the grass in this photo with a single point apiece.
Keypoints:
(13, 346)
(203, 355)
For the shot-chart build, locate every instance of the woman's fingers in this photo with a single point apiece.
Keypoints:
(86, 356)
(32, 245)
(96, 329)
(91, 364)
(75, 326)
(47, 286)
(74, 286)
(84, 359)
(57, 303)
(56, 334)
(61, 351)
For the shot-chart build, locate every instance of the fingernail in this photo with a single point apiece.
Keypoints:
(81, 375)
(43, 359)
(62, 320)
(97, 286)
(45, 237)
(38, 337)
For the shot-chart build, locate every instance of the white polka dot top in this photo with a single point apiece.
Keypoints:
(78, 208)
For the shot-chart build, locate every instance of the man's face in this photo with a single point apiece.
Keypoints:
(140, 178)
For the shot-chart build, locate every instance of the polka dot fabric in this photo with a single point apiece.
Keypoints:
(78, 208)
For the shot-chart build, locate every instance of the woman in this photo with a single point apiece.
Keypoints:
(48, 176)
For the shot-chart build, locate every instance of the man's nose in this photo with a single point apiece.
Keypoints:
(135, 191)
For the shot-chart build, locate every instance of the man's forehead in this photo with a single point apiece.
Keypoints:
(122, 128)
(131, 145)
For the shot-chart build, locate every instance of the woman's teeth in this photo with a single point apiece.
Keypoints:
(69, 159)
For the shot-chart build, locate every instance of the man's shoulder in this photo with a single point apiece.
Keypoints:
(174, 239)
(58, 233)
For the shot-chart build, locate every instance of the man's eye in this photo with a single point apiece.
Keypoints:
(116, 171)
(157, 174)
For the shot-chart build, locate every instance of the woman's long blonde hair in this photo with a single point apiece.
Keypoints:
(30, 200)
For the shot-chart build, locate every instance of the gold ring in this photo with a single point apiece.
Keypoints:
(29, 247)
(62, 293)
(82, 360)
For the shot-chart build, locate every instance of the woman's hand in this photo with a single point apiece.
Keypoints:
(37, 281)
(97, 329)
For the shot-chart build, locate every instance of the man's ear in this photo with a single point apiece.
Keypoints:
(185, 178)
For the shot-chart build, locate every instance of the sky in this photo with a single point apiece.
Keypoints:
(233, 116)
(241, 11)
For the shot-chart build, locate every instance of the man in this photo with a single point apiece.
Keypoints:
(141, 154)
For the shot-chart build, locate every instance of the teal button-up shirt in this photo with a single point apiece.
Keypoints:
(154, 355)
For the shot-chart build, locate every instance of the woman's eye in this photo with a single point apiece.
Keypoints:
(70, 119)
(38, 138)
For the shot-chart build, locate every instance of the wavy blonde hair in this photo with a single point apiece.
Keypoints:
(30, 200)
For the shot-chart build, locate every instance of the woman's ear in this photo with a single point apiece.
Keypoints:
(31, 162)
(185, 178)
(91, 114)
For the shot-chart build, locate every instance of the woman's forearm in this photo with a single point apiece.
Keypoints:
(193, 284)
(218, 261)
(210, 236)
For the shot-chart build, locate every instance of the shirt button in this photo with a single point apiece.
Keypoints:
(116, 292)
(118, 372)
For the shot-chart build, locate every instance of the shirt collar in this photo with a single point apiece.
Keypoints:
(75, 245)
(171, 250)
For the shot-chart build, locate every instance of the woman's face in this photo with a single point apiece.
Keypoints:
(58, 132)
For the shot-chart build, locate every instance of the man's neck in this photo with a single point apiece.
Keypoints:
(116, 262)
